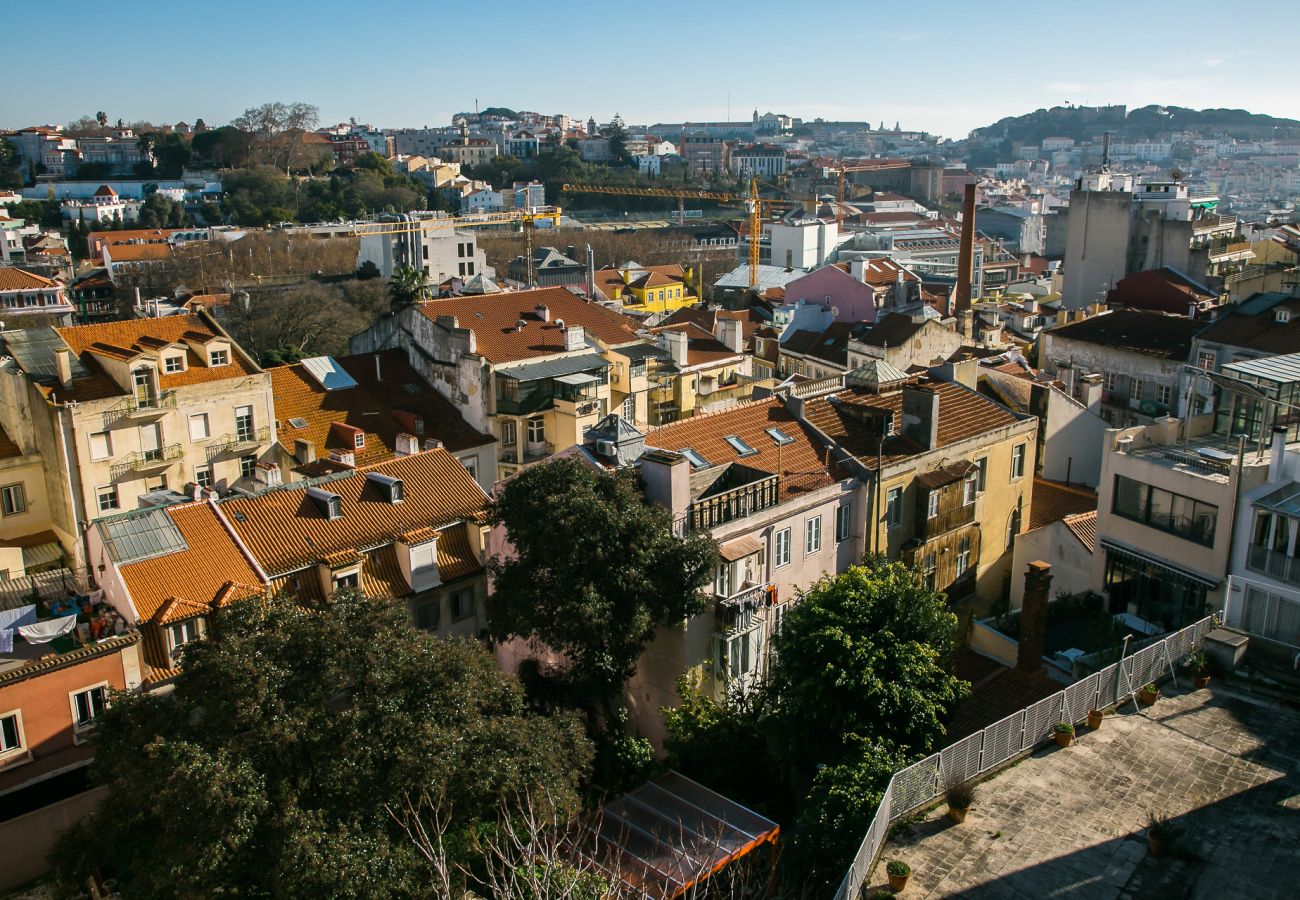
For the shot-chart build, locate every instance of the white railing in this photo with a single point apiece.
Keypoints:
(924, 782)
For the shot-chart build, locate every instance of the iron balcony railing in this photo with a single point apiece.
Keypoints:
(147, 460)
(735, 503)
(146, 405)
(1273, 563)
(244, 439)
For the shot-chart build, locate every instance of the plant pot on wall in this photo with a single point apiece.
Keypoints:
(1201, 681)
(898, 872)
(1095, 717)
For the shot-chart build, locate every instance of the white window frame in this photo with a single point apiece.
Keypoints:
(1205, 360)
(1164, 393)
(1135, 390)
(108, 446)
(81, 728)
(183, 626)
(218, 356)
(1017, 462)
(199, 471)
(983, 465)
(932, 505)
(19, 749)
(536, 435)
(843, 523)
(963, 556)
(893, 507)
(781, 549)
(102, 492)
(812, 535)
(10, 492)
(248, 466)
(970, 487)
(174, 364)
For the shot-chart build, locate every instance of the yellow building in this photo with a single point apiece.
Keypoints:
(648, 289)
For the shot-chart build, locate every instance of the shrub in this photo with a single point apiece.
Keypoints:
(960, 794)
(898, 868)
(1063, 728)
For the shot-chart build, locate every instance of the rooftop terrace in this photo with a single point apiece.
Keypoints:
(1070, 822)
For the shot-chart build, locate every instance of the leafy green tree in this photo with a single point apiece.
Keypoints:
(616, 132)
(375, 162)
(224, 148)
(595, 571)
(863, 655)
(407, 287)
(281, 763)
(11, 173)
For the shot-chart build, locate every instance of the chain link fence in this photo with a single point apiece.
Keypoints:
(925, 781)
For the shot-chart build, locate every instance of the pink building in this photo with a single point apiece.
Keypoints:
(858, 289)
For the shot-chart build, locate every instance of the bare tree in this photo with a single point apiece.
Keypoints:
(280, 128)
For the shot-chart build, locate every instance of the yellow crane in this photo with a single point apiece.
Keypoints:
(841, 170)
(526, 218)
(757, 206)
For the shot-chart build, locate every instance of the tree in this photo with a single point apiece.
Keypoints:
(225, 147)
(595, 570)
(367, 270)
(616, 132)
(863, 656)
(277, 764)
(102, 118)
(11, 173)
(407, 287)
(309, 320)
(279, 128)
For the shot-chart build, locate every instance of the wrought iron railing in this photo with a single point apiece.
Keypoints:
(244, 439)
(735, 503)
(147, 460)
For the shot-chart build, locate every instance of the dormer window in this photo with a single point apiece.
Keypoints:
(219, 356)
(1282, 316)
(174, 364)
(359, 440)
(391, 488)
(330, 505)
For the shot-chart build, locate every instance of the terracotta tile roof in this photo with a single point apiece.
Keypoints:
(1053, 501)
(702, 348)
(285, 530)
(1260, 331)
(132, 235)
(194, 577)
(139, 252)
(1084, 527)
(996, 692)
(707, 317)
(493, 320)
(848, 420)
(455, 557)
(13, 279)
(804, 464)
(880, 272)
(381, 408)
(8, 449)
(891, 330)
(1137, 331)
(831, 345)
(123, 339)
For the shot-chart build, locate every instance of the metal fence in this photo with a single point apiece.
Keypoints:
(923, 782)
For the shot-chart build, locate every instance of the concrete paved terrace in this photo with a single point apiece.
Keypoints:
(1070, 822)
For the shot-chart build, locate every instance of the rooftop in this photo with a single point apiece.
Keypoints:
(1137, 331)
(14, 279)
(1054, 501)
(1071, 822)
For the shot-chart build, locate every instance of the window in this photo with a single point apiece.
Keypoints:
(11, 733)
(244, 423)
(203, 476)
(101, 445)
(537, 431)
(738, 444)
(350, 581)
(199, 428)
(462, 604)
(894, 507)
(219, 357)
(469, 268)
(981, 474)
(781, 549)
(1163, 392)
(963, 556)
(779, 436)
(145, 395)
(12, 500)
(1135, 389)
(1205, 360)
(247, 466)
(106, 497)
(1017, 461)
(471, 466)
(629, 408)
(738, 654)
(509, 433)
(158, 483)
(842, 522)
(173, 364)
(460, 270)
(1184, 517)
(359, 440)
(932, 505)
(812, 539)
(929, 563)
(694, 458)
(86, 705)
(427, 616)
(181, 634)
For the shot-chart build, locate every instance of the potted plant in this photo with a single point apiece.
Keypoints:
(1200, 668)
(1094, 718)
(960, 795)
(1064, 733)
(1161, 833)
(1148, 695)
(898, 872)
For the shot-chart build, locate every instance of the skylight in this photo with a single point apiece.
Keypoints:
(694, 458)
(779, 436)
(298, 422)
(739, 445)
(411, 388)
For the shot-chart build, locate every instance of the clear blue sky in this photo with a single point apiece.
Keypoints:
(942, 66)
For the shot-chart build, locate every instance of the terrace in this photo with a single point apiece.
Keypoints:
(49, 601)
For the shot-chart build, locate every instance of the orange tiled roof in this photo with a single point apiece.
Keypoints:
(803, 465)
(139, 252)
(1084, 527)
(702, 348)
(1053, 501)
(129, 235)
(382, 408)
(963, 414)
(126, 338)
(493, 319)
(195, 577)
(12, 279)
(285, 530)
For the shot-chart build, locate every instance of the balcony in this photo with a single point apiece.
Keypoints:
(146, 406)
(532, 453)
(243, 439)
(578, 407)
(946, 521)
(1274, 564)
(736, 503)
(147, 460)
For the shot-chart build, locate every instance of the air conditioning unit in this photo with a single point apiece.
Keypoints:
(606, 448)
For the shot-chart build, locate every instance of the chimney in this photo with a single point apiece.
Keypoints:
(591, 272)
(1033, 617)
(1277, 457)
(966, 258)
(729, 332)
(63, 363)
(543, 312)
(406, 445)
(571, 252)
(575, 338)
(900, 287)
(304, 451)
(675, 342)
(921, 415)
(266, 475)
(666, 477)
(1090, 391)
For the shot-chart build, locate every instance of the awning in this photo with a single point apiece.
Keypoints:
(550, 368)
(578, 379)
(1139, 556)
(42, 555)
(740, 548)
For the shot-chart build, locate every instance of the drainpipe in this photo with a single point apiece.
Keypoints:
(81, 521)
(875, 500)
(1236, 502)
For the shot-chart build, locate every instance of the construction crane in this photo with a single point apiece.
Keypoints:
(528, 219)
(841, 170)
(757, 206)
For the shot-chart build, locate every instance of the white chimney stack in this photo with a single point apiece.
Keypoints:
(575, 338)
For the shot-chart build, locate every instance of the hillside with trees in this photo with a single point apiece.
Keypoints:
(1083, 122)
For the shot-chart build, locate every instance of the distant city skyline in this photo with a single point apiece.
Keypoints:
(945, 68)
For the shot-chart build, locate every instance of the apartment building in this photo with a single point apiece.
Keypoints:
(130, 413)
(1265, 324)
(647, 289)
(948, 473)
(27, 296)
(440, 252)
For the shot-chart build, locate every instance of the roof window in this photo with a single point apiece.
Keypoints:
(391, 488)
(329, 504)
(694, 458)
(739, 445)
(779, 436)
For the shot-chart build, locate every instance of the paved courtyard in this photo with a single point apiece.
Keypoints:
(1071, 822)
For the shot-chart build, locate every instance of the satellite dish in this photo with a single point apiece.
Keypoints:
(1176, 175)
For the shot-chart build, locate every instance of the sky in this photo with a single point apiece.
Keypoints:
(941, 66)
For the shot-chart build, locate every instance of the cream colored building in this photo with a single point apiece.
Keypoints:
(120, 411)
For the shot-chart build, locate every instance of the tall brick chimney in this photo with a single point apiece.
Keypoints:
(1033, 617)
(966, 256)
